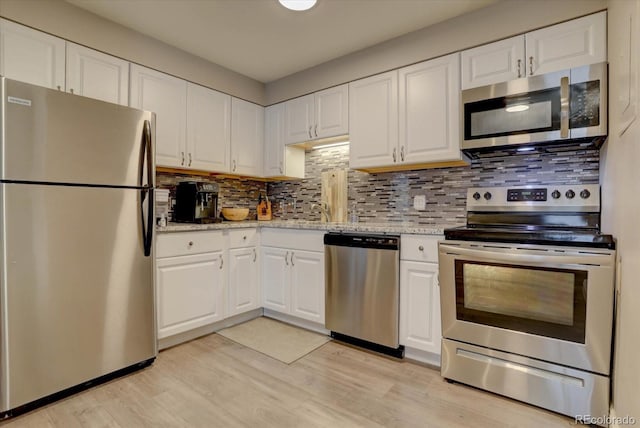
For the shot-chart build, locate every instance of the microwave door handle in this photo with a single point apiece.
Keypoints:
(526, 257)
(564, 107)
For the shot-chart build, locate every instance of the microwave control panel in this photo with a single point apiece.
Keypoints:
(584, 104)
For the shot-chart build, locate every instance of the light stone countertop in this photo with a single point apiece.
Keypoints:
(393, 228)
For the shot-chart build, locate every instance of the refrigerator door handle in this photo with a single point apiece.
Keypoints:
(146, 191)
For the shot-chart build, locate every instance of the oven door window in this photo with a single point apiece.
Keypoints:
(543, 301)
(537, 111)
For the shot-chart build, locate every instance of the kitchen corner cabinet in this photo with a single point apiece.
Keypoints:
(166, 96)
(247, 137)
(31, 56)
(407, 118)
(319, 115)
(244, 281)
(293, 272)
(208, 142)
(280, 160)
(97, 75)
(569, 44)
(420, 326)
(190, 281)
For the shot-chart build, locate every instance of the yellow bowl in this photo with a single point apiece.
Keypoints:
(235, 214)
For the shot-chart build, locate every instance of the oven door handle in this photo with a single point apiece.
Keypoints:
(530, 256)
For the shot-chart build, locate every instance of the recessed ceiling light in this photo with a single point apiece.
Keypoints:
(298, 4)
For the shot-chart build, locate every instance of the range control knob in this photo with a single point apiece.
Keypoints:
(476, 196)
(585, 194)
(487, 196)
(570, 194)
(555, 194)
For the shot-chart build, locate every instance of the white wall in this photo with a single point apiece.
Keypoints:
(69, 22)
(620, 180)
(498, 21)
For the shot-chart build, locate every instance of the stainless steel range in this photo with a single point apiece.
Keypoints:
(527, 297)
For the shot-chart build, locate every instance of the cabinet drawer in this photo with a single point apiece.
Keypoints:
(295, 239)
(420, 248)
(186, 243)
(239, 238)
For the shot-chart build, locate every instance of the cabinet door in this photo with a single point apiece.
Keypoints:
(247, 136)
(276, 274)
(31, 56)
(493, 63)
(189, 292)
(96, 75)
(166, 96)
(274, 140)
(420, 306)
(307, 285)
(430, 111)
(208, 129)
(299, 119)
(331, 112)
(373, 121)
(243, 289)
(570, 44)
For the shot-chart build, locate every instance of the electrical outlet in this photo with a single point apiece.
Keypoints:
(419, 202)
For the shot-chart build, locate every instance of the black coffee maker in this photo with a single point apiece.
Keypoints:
(196, 202)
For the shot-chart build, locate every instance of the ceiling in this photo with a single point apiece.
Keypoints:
(263, 40)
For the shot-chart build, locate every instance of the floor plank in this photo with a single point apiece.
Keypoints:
(214, 382)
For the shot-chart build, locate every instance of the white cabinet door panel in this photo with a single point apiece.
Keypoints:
(247, 137)
(31, 56)
(420, 306)
(275, 274)
(299, 119)
(208, 129)
(243, 289)
(97, 75)
(493, 63)
(331, 112)
(307, 285)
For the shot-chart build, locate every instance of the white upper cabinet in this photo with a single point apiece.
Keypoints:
(496, 62)
(166, 96)
(247, 137)
(320, 115)
(373, 117)
(279, 159)
(570, 44)
(31, 56)
(208, 129)
(429, 106)
(97, 75)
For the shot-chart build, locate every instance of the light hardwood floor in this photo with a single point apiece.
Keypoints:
(214, 382)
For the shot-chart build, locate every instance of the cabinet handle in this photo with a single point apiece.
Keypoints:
(244, 238)
(420, 248)
(221, 262)
(255, 255)
(292, 259)
(58, 87)
(531, 66)
(519, 68)
(394, 155)
(285, 258)
(315, 130)
(281, 170)
(234, 165)
(310, 136)
(402, 153)
(71, 90)
(189, 159)
(438, 279)
(182, 161)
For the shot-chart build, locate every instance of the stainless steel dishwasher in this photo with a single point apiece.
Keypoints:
(362, 278)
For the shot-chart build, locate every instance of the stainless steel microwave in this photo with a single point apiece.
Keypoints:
(553, 107)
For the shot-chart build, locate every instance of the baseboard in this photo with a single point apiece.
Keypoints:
(424, 357)
(177, 339)
(302, 323)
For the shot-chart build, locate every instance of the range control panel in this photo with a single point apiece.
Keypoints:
(578, 198)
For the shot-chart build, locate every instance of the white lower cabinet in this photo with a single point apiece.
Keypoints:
(244, 280)
(190, 281)
(293, 273)
(420, 327)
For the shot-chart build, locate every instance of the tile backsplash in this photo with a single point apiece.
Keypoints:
(388, 197)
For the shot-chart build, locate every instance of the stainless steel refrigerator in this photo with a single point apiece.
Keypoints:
(76, 234)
